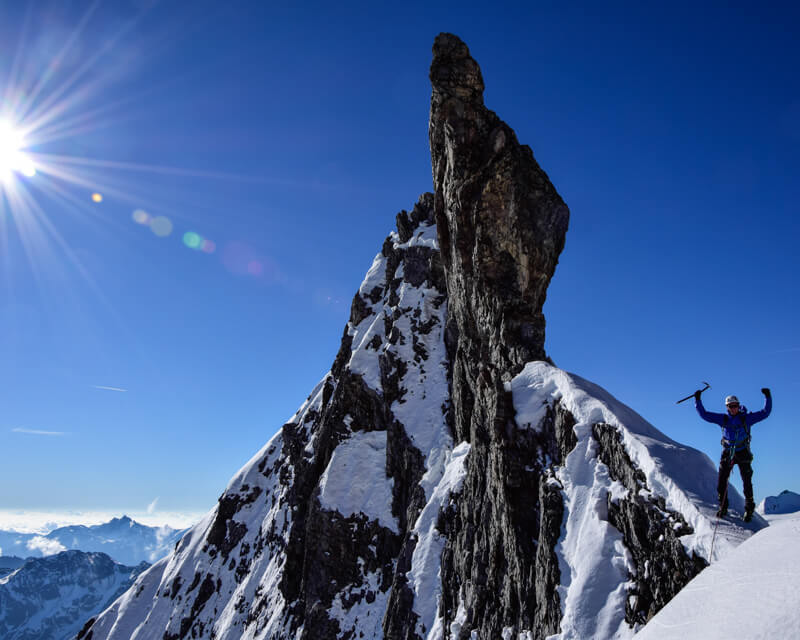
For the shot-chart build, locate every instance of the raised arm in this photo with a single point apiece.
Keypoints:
(708, 416)
(758, 416)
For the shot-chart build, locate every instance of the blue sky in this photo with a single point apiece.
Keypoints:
(133, 367)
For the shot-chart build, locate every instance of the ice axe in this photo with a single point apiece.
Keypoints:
(708, 386)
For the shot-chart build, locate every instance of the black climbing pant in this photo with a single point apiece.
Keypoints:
(743, 458)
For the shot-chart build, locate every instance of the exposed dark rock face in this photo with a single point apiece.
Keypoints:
(501, 222)
(650, 530)
(501, 228)
(499, 563)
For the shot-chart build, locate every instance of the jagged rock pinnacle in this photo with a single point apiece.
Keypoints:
(501, 222)
(453, 71)
(501, 227)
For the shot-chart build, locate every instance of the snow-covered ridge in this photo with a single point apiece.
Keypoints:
(684, 476)
(595, 564)
(413, 310)
(229, 575)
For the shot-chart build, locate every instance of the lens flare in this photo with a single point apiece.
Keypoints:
(140, 216)
(192, 240)
(198, 243)
(96, 197)
(161, 226)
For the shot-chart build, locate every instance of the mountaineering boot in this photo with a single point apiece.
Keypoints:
(723, 504)
(749, 507)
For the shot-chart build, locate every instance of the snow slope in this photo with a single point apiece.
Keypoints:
(355, 480)
(750, 594)
(9, 564)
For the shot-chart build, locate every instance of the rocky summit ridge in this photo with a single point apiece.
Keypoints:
(444, 480)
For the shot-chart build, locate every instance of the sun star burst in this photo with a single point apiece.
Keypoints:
(13, 158)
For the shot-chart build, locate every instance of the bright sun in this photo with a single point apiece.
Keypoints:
(13, 158)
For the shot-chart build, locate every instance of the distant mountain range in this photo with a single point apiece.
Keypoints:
(785, 502)
(52, 598)
(123, 539)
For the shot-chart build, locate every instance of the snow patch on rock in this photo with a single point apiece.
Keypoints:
(424, 577)
(355, 480)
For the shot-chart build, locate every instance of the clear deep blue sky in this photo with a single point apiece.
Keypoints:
(291, 136)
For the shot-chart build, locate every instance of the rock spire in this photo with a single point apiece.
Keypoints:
(501, 222)
(501, 228)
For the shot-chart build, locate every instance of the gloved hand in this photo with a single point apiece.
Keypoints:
(697, 395)
(766, 392)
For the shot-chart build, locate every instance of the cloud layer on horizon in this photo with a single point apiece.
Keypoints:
(43, 522)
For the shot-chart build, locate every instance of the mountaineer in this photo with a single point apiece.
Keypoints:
(736, 424)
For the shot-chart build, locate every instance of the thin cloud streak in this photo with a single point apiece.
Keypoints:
(39, 432)
(104, 388)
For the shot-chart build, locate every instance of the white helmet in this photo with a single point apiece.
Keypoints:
(731, 400)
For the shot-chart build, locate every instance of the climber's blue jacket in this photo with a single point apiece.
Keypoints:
(735, 429)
